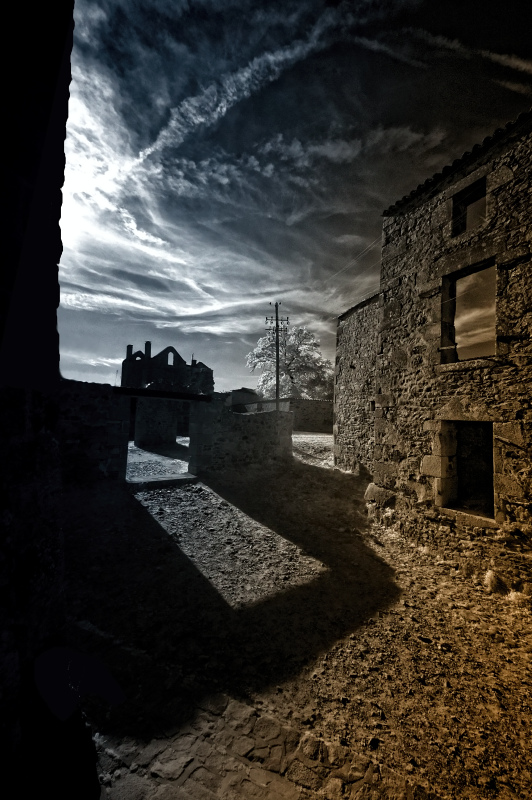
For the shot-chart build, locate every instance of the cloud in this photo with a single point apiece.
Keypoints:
(207, 108)
(396, 53)
(519, 88)
(380, 140)
(88, 19)
(510, 61)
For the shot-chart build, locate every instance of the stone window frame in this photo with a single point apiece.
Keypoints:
(460, 186)
(441, 465)
(461, 200)
(447, 349)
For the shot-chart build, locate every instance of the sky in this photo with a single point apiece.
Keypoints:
(222, 155)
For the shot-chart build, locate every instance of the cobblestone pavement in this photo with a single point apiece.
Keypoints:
(169, 461)
(272, 645)
(235, 751)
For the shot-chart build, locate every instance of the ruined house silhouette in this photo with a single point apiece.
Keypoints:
(158, 422)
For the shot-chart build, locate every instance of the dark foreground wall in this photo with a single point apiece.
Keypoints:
(92, 432)
(31, 547)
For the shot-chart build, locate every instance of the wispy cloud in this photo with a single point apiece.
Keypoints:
(396, 53)
(213, 103)
(510, 61)
(518, 88)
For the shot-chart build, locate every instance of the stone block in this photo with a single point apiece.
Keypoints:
(445, 443)
(432, 465)
(507, 486)
(379, 495)
(509, 432)
(384, 472)
(384, 400)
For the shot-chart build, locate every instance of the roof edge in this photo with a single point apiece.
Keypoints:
(523, 122)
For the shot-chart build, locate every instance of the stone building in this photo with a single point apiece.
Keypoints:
(158, 422)
(433, 386)
(167, 370)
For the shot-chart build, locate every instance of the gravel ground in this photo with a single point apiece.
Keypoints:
(275, 590)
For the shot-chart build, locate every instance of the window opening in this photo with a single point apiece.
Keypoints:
(468, 315)
(469, 207)
(170, 359)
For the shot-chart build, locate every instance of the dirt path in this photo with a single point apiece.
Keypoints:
(270, 644)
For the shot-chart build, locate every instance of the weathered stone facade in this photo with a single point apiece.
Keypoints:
(354, 408)
(451, 432)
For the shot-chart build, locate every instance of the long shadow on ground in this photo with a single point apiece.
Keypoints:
(168, 636)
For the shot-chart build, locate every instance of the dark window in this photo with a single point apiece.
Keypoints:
(469, 207)
(468, 315)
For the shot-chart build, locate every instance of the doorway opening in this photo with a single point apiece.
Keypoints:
(474, 467)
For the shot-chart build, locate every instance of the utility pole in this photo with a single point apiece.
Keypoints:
(279, 325)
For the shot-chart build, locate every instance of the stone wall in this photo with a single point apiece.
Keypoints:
(269, 405)
(354, 391)
(222, 440)
(92, 432)
(312, 415)
(421, 400)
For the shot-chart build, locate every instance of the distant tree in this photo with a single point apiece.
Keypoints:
(303, 371)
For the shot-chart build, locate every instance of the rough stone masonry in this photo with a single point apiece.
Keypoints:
(444, 428)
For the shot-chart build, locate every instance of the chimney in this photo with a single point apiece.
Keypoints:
(147, 350)
(129, 353)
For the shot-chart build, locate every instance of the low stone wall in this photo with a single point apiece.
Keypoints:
(181, 413)
(309, 415)
(268, 405)
(312, 415)
(92, 431)
(222, 440)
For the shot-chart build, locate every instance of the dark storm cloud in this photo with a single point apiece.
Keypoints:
(224, 154)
